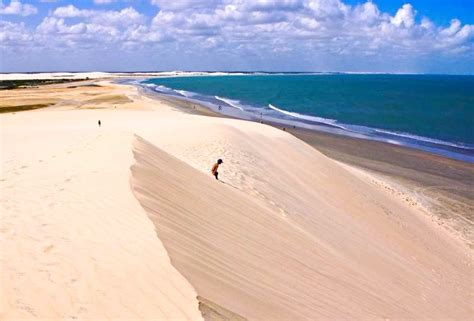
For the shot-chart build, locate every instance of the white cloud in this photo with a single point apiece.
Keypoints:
(328, 26)
(71, 11)
(427, 24)
(270, 5)
(57, 25)
(263, 29)
(367, 13)
(17, 8)
(13, 34)
(184, 4)
(405, 16)
(126, 16)
(325, 9)
(456, 38)
(71, 27)
(452, 29)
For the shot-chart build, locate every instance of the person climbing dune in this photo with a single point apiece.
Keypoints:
(215, 167)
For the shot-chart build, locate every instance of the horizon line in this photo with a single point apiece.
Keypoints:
(241, 71)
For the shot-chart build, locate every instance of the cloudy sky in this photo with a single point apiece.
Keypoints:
(423, 36)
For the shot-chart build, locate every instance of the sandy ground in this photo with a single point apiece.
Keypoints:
(444, 186)
(102, 75)
(83, 94)
(53, 75)
(124, 221)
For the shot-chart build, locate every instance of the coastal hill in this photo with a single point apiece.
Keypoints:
(125, 221)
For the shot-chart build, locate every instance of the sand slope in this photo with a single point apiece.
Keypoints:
(344, 251)
(125, 222)
(75, 242)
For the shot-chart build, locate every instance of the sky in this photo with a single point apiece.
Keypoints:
(412, 36)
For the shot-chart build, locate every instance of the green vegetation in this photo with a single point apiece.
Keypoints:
(11, 109)
(13, 84)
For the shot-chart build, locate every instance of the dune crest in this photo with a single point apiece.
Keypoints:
(74, 241)
(351, 252)
(288, 234)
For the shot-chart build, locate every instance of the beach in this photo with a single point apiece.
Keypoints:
(440, 184)
(125, 221)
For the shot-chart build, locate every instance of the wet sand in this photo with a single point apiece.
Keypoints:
(444, 186)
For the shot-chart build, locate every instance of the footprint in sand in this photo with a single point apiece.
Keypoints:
(283, 213)
(48, 249)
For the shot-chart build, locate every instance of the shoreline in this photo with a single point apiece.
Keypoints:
(450, 148)
(92, 204)
(440, 184)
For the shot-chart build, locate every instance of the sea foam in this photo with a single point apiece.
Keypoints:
(231, 102)
(330, 122)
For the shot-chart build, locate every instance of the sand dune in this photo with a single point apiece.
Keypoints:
(86, 94)
(75, 242)
(103, 75)
(326, 252)
(125, 222)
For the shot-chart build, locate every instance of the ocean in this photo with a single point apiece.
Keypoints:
(434, 113)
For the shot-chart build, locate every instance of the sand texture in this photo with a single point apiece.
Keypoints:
(124, 221)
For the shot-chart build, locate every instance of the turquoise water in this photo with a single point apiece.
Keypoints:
(431, 112)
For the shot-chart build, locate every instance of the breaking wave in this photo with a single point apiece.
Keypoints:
(230, 102)
(330, 122)
(423, 139)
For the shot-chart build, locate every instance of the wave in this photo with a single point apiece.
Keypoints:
(185, 93)
(233, 103)
(167, 90)
(424, 139)
(327, 121)
(164, 89)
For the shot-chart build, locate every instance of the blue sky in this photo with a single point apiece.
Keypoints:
(439, 11)
(420, 36)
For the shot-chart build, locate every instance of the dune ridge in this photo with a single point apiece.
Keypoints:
(75, 243)
(266, 264)
(97, 223)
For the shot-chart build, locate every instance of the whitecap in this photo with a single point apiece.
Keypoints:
(423, 139)
(231, 102)
(326, 121)
(185, 93)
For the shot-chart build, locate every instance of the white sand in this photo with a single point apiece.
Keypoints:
(289, 234)
(75, 241)
(103, 75)
(54, 75)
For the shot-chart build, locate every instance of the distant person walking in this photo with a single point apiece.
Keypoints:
(215, 167)
(99, 123)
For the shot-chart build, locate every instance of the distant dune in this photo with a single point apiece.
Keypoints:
(103, 75)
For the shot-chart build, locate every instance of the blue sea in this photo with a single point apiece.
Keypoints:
(434, 113)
